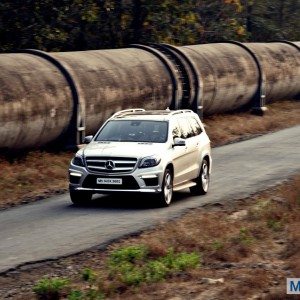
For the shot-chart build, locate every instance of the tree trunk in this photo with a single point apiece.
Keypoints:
(249, 24)
(137, 21)
(281, 14)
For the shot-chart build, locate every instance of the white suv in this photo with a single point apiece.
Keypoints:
(155, 151)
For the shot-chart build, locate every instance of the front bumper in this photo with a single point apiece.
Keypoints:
(100, 191)
(146, 180)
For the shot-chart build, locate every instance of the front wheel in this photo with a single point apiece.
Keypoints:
(202, 182)
(166, 194)
(80, 197)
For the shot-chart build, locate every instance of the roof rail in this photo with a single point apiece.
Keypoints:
(181, 111)
(121, 112)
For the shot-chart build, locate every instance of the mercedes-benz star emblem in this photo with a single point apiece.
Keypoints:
(109, 165)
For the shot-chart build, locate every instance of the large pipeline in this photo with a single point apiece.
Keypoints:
(60, 97)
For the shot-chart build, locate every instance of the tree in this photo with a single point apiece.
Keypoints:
(94, 24)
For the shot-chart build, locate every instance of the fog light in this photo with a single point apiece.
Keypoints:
(150, 180)
(74, 177)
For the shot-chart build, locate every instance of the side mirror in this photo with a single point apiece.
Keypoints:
(179, 142)
(88, 139)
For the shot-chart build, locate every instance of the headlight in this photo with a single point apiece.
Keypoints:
(150, 161)
(77, 161)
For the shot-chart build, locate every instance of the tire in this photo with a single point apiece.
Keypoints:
(165, 196)
(80, 197)
(202, 182)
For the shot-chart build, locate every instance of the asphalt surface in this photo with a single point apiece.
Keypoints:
(54, 227)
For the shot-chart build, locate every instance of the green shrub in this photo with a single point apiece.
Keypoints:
(274, 225)
(126, 272)
(155, 271)
(76, 295)
(131, 266)
(88, 275)
(50, 288)
(184, 261)
(245, 237)
(90, 294)
(133, 276)
(128, 254)
(217, 245)
(180, 261)
(93, 294)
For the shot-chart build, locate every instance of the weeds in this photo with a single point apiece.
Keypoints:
(229, 127)
(180, 261)
(90, 294)
(76, 295)
(129, 254)
(217, 245)
(50, 288)
(245, 237)
(132, 265)
(89, 275)
(275, 225)
(155, 271)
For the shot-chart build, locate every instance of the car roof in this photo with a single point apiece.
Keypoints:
(155, 115)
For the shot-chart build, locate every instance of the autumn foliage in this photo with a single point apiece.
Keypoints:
(89, 24)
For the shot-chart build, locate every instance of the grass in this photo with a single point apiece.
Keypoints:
(226, 128)
(129, 254)
(217, 245)
(89, 275)
(245, 237)
(37, 175)
(128, 266)
(50, 288)
(133, 265)
(274, 225)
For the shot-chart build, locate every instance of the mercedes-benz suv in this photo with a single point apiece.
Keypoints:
(155, 152)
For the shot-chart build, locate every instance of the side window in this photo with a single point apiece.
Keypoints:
(185, 127)
(176, 130)
(195, 125)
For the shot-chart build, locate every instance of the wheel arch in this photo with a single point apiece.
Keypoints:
(208, 159)
(171, 168)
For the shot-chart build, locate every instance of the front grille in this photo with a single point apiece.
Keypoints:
(119, 164)
(128, 183)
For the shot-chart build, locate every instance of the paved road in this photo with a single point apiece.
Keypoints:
(53, 227)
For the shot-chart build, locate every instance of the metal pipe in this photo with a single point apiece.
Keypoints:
(57, 97)
(35, 101)
(229, 74)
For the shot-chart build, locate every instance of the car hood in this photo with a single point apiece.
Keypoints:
(123, 149)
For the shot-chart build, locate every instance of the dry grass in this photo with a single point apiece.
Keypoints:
(258, 253)
(32, 176)
(37, 175)
(226, 128)
(236, 242)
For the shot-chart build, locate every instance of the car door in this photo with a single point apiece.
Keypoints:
(183, 158)
(197, 142)
(193, 148)
(178, 153)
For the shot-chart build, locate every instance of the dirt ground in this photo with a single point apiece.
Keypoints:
(248, 248)
(37, 175)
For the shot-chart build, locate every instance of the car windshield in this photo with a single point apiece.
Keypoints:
(134, 131)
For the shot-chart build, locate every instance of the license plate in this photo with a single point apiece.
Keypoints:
(109, 180)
